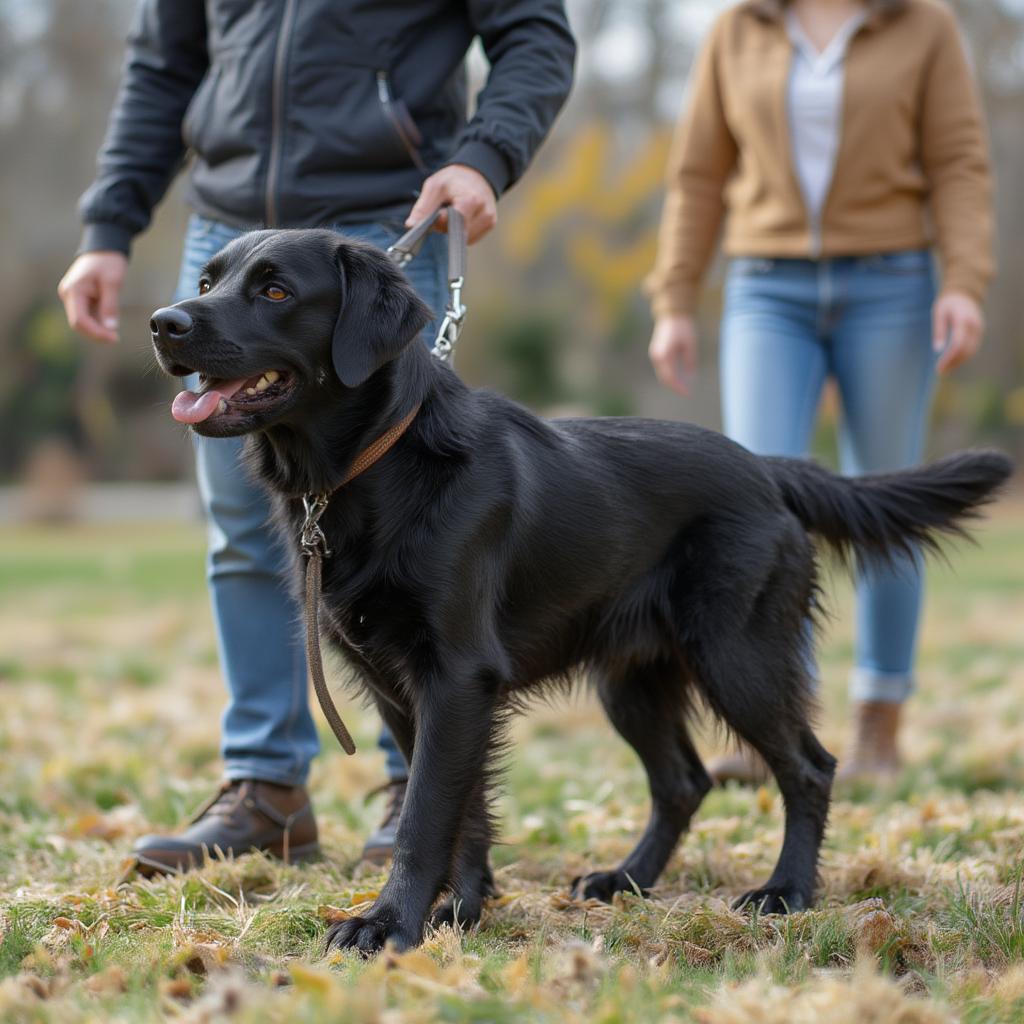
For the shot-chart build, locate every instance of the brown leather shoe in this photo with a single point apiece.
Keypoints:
(874, 754)
(744, 765)
(379, 846)
(243, 815)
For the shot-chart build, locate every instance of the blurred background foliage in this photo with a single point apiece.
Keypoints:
(557, 318)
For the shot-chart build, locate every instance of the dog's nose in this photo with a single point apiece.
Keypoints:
(170, 324)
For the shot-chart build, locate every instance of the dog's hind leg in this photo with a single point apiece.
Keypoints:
(755, 676)
(804, 773)
(647, 705)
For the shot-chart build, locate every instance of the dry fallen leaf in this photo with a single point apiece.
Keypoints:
(308, 979)
(108, 982)
(177, 988)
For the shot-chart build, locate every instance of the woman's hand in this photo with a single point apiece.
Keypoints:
(673, 352)
(958, 328)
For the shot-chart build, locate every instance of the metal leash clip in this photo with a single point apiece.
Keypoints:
(406, 248)
(451, 325)
(311, 535)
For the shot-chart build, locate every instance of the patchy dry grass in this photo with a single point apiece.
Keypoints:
(111, 697)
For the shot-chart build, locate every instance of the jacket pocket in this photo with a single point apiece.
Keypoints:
(348, 120)
(397, 113)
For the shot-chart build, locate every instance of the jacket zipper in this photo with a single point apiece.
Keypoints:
(277, 112)
(388, 106)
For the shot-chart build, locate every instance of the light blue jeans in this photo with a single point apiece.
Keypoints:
(267, 730)
(787, 325)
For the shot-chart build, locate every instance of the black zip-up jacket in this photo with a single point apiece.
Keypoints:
(312, 112)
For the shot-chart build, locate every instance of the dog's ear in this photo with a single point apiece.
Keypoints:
(380, 313)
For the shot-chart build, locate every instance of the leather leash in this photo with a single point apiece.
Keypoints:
(315, 550)
(311, 537)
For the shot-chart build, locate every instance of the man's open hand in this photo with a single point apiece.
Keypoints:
(465, 189)
(91, 293)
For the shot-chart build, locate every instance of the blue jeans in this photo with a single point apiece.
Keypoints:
(267, 730)
(787, 325)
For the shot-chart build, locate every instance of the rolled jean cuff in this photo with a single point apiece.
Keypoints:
(868, 684)
(236, 770)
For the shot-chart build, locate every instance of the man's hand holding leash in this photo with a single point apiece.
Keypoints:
(464, 188)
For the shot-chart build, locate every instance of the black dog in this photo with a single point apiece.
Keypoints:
(490, 552)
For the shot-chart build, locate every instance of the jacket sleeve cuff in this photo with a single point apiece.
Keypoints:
(974, 285)
(678, 299)
(488, 161)
(106, 236)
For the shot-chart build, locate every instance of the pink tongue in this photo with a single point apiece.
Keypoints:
(189, 407)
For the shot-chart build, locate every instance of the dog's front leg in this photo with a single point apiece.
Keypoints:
(454, 725)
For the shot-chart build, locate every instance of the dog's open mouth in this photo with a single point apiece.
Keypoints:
(218, 397)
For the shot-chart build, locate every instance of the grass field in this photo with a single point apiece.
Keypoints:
(110, 700)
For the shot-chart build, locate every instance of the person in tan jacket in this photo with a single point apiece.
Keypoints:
(833, 144)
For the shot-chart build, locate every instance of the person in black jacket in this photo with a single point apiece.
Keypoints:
(341, 114)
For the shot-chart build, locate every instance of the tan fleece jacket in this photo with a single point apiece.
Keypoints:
(912, 169)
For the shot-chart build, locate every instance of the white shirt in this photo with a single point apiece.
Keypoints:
(815, 108)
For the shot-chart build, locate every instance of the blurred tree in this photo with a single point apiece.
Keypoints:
(987, 401)
(39, 377)
(59, 65)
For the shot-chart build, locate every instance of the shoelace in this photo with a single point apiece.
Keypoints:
(211, 805)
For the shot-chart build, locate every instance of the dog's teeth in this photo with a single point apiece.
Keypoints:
(250, 391)
(270, 376)
(262, 384)
(222, 406)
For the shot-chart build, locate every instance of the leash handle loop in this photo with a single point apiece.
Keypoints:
(406, 248)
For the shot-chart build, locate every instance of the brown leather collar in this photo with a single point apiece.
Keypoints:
(379, 448)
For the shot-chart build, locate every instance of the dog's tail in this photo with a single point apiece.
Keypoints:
(879, 516)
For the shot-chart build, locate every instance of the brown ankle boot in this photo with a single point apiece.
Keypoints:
(744, 765)
(874, 752)
(243, 815)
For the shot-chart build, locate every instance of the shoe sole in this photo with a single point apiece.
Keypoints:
(148, 867)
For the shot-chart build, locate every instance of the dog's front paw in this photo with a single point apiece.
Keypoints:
(457, 913)
(603, 885)
(368, 935)
(776, 899)
(464, 907)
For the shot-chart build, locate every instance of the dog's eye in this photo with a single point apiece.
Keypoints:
(272, 291)
(204, 286)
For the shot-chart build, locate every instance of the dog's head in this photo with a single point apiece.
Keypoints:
(284, 320)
